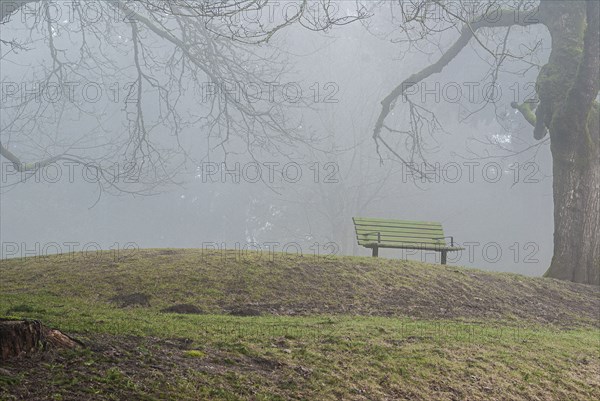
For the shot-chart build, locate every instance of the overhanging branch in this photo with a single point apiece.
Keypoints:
(20, 166)
(467, 33)
(526, 110)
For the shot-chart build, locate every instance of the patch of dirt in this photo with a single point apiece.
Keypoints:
(167, 251)
(149, 368)
(397, 288)
(128, 300)
(244, 310)
(108, 368)
(183, 309)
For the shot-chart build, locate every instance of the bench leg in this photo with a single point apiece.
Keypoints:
(444, 254)
(375, 251)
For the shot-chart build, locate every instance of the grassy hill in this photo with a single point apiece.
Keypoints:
(277, 327)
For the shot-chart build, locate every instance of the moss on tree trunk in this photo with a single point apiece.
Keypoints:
(571, 115)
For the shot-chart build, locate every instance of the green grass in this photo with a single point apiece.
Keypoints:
(330, 329)
(292, 285)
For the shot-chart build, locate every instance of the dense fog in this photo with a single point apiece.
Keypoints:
(488, 181)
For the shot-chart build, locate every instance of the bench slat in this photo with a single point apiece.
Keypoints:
(400, 240)
(416, 246)
(400, 237)
(405, 240)
(388, 222)
(398, 231)
(397, 226)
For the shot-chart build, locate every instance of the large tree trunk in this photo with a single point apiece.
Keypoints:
(568, 86)
(576, 218)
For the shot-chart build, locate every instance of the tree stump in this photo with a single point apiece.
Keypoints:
(19, 337)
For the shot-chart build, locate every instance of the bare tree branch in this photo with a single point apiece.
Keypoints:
(526, 110)
(164, 54)
(22, 167)
(467, 33)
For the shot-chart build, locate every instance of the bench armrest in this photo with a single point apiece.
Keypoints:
(378, 235)
(451, 239)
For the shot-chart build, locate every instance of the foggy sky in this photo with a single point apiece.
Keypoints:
(512, 213)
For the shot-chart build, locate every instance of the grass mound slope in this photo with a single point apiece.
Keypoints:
(259, 283)
(193, 325)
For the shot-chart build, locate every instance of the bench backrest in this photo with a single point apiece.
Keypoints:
(398, 232)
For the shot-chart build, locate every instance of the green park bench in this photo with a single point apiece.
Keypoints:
(402, 234)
